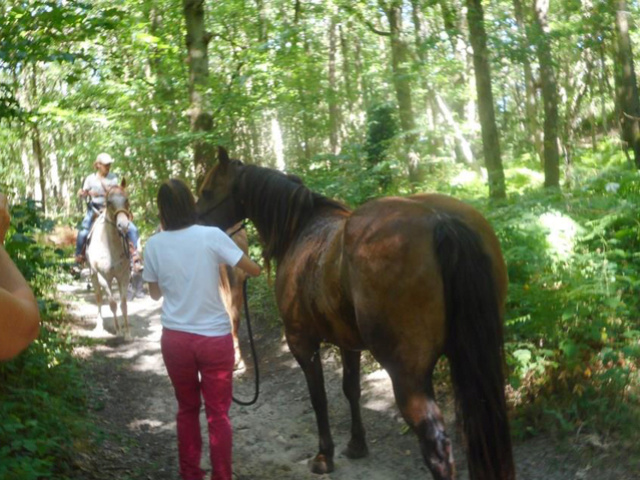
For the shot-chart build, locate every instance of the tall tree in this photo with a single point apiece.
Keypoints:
(462, 149)
(626, 83)
(490, 139)
(402, 81)
(197, 41)
(36, 142)
(549, 94)
(334, 109)
(531, 102)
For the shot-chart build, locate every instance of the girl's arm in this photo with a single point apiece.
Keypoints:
(249, 266)
(154, 290)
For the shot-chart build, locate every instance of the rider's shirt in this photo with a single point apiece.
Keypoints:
(185, 265)
(96, 185)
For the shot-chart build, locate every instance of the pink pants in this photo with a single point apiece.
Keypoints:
(201, 365)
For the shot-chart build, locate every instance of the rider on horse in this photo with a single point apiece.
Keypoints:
(95, 186)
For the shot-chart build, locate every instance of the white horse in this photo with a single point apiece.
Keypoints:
(108, 255)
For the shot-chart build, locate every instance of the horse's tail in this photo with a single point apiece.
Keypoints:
(475, 348)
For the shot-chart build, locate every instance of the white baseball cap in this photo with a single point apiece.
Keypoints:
(104, 158)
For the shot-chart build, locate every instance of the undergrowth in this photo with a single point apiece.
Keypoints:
(573, 256)
(42, 399)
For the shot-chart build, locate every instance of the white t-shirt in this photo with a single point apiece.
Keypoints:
(95, 183)
(185, 264)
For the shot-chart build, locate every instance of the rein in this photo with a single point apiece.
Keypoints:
(253, 347)
(241, 227)
(213, 207)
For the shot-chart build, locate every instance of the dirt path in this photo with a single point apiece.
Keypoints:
(133, 403)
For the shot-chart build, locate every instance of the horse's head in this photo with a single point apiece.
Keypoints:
(217, 203)
(117, 206)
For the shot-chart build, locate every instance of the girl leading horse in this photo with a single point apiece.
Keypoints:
(410, 279)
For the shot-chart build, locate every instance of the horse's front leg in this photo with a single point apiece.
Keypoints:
(231, 290)
(113, 305)
(235, 312)
(357, 447)
(308, 357)
(99, 329)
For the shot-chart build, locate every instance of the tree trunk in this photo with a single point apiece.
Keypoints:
(626, 84)
(36, 144)
(361, 79)
(417, 17)
(37, 154)
(453, 28)
(490, 139)
(334, 110)
(531, 103)
(301, 52)
(402, 84)
(346, 65)
(197, 41)
(463, 148)
(262, 21)
(549, 95)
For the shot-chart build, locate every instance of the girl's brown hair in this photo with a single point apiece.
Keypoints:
(176, 205)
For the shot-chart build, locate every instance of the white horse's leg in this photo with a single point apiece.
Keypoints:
(113, 305)
(99, 329)
(122, 286)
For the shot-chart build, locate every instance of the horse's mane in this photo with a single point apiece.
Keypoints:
(281, 206)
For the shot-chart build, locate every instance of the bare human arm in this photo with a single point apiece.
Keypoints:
(19, 314)
(250, 267)
(154, 290)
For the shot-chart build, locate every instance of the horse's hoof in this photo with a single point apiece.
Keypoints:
(99, 332)
(321, 464)
(356, 450)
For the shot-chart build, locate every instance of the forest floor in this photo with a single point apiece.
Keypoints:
(132, 403)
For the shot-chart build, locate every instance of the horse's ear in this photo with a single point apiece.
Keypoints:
(223, 156)
(123, 183)
(294, 178)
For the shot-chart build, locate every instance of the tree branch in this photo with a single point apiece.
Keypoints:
(358, 14)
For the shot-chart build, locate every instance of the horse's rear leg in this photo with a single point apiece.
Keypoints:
(122, 287)
(416, 401)
(309, 360)
(357, 447)
(113, 305)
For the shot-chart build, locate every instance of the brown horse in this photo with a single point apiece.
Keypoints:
(108, 255)
(410, 279)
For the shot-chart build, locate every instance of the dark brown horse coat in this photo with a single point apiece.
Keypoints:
(409, 279)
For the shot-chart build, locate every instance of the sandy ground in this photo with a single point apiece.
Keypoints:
(132, 402)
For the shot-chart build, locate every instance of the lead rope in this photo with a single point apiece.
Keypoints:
(253, 351)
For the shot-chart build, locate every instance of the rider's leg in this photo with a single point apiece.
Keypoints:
(83, 233)
(133, 236)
